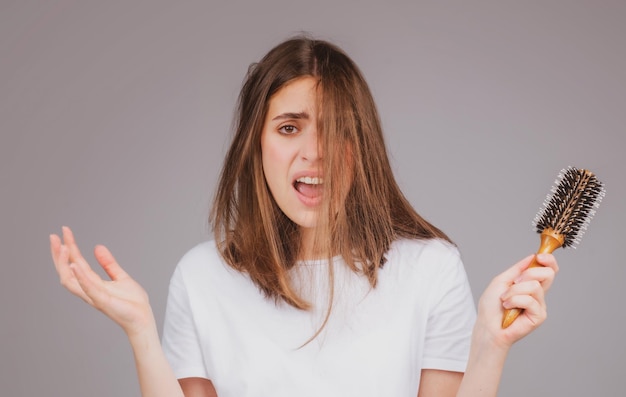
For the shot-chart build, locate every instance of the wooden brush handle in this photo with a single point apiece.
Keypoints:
(550, 240)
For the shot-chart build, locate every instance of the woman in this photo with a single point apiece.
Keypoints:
(322, 279)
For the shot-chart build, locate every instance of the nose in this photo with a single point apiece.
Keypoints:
(311, 150)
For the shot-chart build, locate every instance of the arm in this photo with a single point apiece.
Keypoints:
(517, 287)
(434, 382)
(197, 387)
(126, 303)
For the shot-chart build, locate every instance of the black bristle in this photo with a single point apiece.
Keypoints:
(570, 207)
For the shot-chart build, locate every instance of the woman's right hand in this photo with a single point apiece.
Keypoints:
(122, 299)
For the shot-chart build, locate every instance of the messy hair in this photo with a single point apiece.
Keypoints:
(253, 235)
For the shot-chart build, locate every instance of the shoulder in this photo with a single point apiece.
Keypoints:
(427, 263)
(430, 251)
(202, 272)
(434, 273)
(200, 255)
(201, 263)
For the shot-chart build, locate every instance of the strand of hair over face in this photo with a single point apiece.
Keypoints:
(363, 210)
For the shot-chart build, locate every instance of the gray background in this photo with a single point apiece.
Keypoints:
(115, 116)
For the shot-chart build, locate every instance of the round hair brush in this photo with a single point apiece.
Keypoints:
(565, 215)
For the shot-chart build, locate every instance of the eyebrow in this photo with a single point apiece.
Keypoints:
(290, 115)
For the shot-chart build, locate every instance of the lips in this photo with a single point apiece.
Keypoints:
(310, 189)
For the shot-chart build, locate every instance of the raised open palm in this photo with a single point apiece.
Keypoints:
(122, 299)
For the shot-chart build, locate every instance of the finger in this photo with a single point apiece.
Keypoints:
(62, 262)
(74, 256)
(55, 245)
(533, 311)
(530, 288)
(70, 241)
(90, 283)
(509, 275)
(544, 275)
(108, 263)
(55, 251)
(66, 275)
(548, 260)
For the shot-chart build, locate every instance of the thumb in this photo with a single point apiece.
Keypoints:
(108, 263)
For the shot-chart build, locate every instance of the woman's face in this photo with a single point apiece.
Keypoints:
(290, 153)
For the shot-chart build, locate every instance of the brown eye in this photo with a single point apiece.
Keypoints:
(288, 129)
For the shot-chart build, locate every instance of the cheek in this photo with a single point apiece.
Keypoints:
(275, 161)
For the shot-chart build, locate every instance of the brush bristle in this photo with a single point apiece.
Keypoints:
(571, 205)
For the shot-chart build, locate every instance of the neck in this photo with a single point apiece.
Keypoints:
(307, 244)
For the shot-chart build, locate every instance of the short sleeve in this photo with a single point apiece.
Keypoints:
(451, 318)
(180, 338)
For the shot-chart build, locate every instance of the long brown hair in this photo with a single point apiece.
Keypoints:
(253, 234)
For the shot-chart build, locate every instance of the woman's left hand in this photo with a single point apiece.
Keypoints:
(518, 287)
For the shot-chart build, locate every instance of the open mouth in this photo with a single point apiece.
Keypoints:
(310, 187)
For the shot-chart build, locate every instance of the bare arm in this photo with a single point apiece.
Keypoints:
(197, 387)
(517, 287)
(439, 383)
(126, 303)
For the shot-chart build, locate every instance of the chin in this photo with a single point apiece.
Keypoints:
(306, 221)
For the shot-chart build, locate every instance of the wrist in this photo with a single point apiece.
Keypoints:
(143, 335)
(486, 341)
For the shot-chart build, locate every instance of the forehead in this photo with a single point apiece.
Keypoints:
(298, 95)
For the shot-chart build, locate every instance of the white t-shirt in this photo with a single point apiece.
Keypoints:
(219, 326)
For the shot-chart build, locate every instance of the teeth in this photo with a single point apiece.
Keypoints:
(310, 181)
